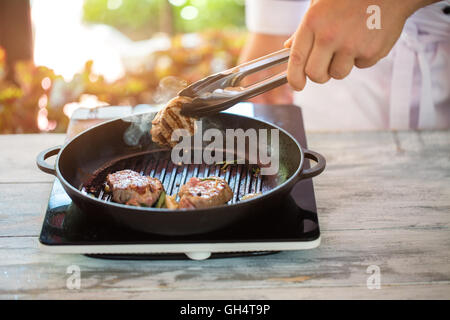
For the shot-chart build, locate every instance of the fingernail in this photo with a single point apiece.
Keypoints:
(288, 43)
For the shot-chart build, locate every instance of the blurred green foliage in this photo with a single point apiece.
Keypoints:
(38, 91)
(140, 19)
(214, 14)
(136, 18)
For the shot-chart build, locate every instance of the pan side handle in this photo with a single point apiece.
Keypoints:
(315, 170)
(42, 164)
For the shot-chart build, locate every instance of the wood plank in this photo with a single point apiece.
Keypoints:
(22, 207)
(381, 179)
(18, 159)
(405, 257)
(410, 292)
(384, 199)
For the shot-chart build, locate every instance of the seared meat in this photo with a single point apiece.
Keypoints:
(204, 193)
(129, 187)
(169, 119)
(171, 202)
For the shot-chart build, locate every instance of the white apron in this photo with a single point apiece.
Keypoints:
(409, 89)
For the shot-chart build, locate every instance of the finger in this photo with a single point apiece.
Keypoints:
(301, 46)
(318, 63)
(365, 63)
(341, 65)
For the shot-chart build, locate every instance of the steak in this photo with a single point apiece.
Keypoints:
(169, 119)
(131, 188)
(204, 193)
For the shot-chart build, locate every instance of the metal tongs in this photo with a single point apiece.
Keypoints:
(221, 91)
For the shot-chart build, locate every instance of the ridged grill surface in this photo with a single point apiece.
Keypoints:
(242, 178)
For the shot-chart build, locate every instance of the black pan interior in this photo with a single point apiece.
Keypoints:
(243, 179)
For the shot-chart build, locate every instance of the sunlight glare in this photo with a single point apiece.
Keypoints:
(63, 43)
(189, 13)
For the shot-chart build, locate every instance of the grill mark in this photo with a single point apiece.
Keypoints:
(175, 118)
(178, 122)
(163, 139)
(184, 122)
(167, 133)
(190, 124)
(166, 125)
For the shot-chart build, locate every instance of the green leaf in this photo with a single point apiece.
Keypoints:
(161, 200)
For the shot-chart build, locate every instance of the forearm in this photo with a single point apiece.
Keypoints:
(259, 44)
(275, 17)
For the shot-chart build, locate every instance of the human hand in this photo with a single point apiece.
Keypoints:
(333, 37)
(259, 45)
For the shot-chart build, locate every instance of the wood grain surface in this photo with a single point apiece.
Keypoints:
(383, 200)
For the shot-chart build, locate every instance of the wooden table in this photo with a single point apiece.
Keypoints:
(384, 200)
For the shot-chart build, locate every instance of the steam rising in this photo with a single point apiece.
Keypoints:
(168, 88)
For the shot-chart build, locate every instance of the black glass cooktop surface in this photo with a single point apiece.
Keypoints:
(294, 220)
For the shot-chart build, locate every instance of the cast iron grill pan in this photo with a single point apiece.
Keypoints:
(86, 160)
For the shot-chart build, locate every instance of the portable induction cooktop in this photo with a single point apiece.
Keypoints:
(293, 225)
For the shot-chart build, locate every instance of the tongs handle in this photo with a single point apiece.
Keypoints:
(221, 90)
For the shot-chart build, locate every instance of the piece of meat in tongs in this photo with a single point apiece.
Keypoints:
(168, 119)
(222, 90)
(214, 94)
